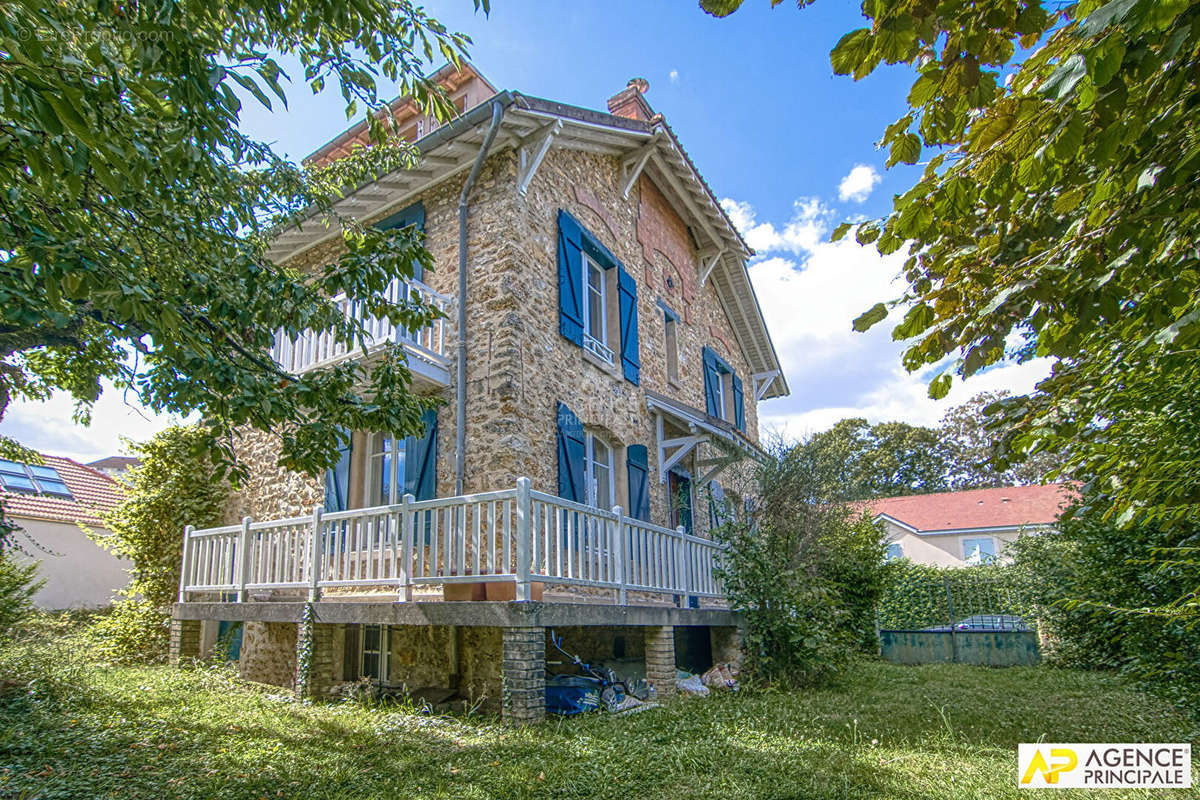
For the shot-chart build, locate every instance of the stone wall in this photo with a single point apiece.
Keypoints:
(269, 653)
(518, 365)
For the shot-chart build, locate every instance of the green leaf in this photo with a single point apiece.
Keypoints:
(840, 231)
(1062, 81)
(876, 313)
(906, 149)
(720, 8)
(851, 52)
(939, 387)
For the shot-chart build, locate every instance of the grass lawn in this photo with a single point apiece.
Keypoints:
(926, 733)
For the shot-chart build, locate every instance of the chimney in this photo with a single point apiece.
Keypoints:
(629, 101)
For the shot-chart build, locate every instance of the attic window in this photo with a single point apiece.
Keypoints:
(32, 479)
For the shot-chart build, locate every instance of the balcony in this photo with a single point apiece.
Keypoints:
(427, 349)
(524, 538)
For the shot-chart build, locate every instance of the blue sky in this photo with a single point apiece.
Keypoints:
(789, 146)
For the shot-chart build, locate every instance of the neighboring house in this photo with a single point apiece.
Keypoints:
(48, 502)
(114, 466)
(968, 527)
(615, 355)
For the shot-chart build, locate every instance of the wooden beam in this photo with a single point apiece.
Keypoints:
(632, 167)
(706, 269)
(763, 381)
(531, 152)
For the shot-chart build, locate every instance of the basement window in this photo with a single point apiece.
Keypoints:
(374, 652)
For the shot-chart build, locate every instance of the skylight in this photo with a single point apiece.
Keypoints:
(32, 479)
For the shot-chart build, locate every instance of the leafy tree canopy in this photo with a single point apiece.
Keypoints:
(855, 460)
(969, 438)
(1056, 217)
(135, 215)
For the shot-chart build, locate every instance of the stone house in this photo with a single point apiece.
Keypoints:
(602, 405)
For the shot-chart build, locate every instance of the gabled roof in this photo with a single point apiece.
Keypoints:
(118, 463)
(976, 509)
(451, 149)
(92, 493)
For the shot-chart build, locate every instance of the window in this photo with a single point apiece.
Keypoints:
(679, 486)
(32, 479)
(979, 551)
(385, 470)
(595, 310)
(598, 472)
(894, 551)
(672, 345)
(375, 652)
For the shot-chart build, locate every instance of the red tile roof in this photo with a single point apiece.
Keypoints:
(1006, 507)
(92, 492)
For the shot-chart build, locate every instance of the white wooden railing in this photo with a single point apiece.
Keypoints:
(516, 535)
(314, 349)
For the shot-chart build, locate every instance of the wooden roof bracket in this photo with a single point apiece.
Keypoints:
(532, 150)
(763, 381)
(632, 166)
(680, 447)
(707, 268)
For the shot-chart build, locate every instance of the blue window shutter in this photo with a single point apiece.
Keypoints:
(570, 278)
(420, 459)
(413, 215)
(636, 463)
(337, 480)
(627, 295)
(739, 404)
(570, 456)
(711, 378)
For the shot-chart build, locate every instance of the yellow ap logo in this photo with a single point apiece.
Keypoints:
(1051, 771)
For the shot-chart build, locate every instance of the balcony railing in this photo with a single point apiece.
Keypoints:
(427, 348)
(515, 535)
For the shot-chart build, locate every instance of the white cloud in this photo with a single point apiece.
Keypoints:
(48, 426)
(810, 290)
(673, 75)
(858, 184)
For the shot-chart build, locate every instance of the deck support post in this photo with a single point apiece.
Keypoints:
(660, 658)
(406, 550)
(185, 571)
(184, 642)
(523, 664)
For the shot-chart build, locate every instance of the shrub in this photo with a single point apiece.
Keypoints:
(920, 595)
(18, 584)
(805, 573)
(173, 486)
(1104, 596)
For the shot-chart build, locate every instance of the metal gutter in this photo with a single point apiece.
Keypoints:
(460, 427)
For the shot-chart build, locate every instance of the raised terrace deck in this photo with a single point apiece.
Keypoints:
(515, 544)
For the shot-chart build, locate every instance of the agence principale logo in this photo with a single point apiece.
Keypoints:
(1072, 766)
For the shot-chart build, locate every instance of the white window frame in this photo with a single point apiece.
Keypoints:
(374, 468)
(596, 345)
(985, 558)
(590, 462)
(721, 414)
(384, 648)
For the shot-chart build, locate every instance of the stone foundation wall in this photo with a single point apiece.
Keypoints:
(480, 666)
(269, 653)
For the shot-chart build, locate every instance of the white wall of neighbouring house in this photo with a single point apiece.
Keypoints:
(78, 573)
(943, 549)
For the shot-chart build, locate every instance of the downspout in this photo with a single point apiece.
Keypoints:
(460, 418)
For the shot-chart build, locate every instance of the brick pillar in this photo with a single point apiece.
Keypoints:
(726, 645)
(184, 642)
(660, 659)
(324, 660)
(524, 674)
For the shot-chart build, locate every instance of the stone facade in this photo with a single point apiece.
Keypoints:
(519, 366)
